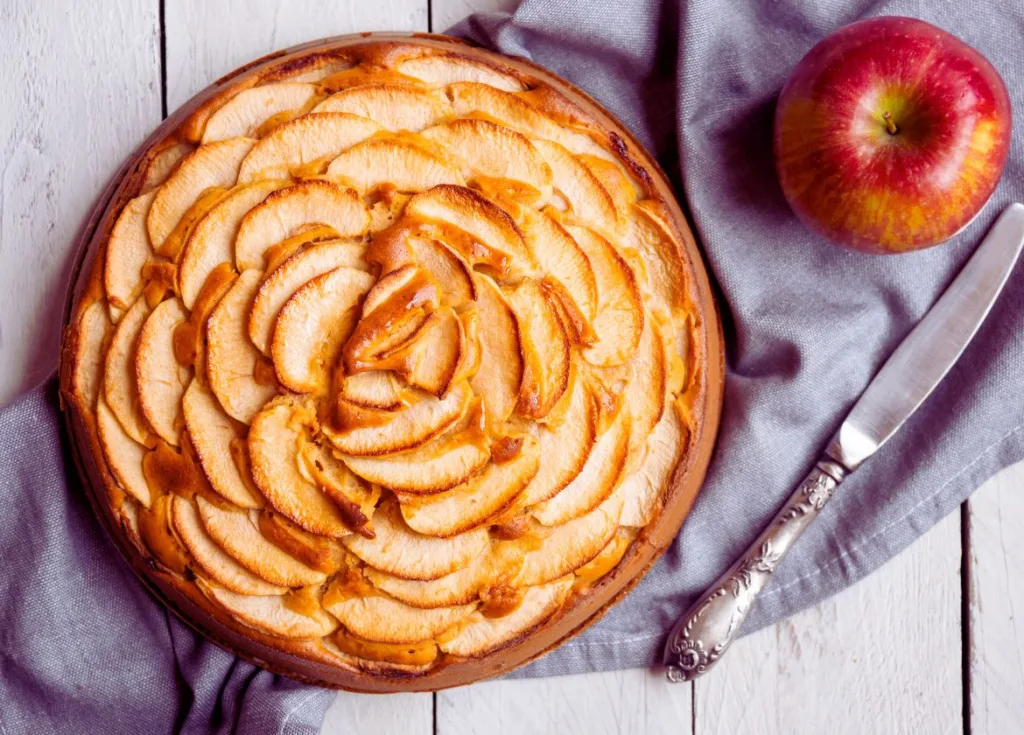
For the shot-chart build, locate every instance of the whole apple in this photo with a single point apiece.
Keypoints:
(891, 135)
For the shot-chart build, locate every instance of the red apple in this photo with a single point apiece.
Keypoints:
(890, 135)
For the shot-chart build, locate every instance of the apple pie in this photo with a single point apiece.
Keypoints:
(394, 359)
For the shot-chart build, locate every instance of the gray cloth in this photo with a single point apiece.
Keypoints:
(807, 323)
(84, 650)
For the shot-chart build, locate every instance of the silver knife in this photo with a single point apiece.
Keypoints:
(700, 638)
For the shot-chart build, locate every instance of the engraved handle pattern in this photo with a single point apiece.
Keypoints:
(704, 633)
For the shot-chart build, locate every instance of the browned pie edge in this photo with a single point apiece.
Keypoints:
(309, 661)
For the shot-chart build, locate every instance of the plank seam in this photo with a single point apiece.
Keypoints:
(966, 638)
(163, 58)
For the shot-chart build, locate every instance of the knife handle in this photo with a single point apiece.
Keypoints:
(707, 629)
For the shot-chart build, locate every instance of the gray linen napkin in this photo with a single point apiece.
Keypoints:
(82, 647)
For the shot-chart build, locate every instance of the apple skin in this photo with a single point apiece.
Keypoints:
(848, 177)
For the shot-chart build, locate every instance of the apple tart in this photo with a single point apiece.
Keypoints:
(394, 362)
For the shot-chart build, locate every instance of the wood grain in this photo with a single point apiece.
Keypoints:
(996, 522)
(369, 714)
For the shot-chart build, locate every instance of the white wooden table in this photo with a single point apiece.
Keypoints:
(930, 644)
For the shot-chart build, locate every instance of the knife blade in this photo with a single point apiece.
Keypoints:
(702, 636)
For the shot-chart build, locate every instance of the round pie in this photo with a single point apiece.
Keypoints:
(391, 363)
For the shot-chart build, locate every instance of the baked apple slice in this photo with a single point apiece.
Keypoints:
(645, 394)
(213, 560)
(312, 326)
(500, 374)
(642, 490)
(120, 387)
(164, 163)
(123, 454)
(286, 211)
(306, 143)
(246, 112)
(374, 389)
(128, 250)
(270, 613)
(383, 619)
(591, 204)
(285, 280)
(317, 552)
(395, 106)
(399, 249)
(87, 354)
(161, 379)
(214, 165)
(442, 70)
(235, 369)
(545, 349)
(406, 166)
(401, 552)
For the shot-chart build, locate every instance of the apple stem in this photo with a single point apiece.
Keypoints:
(889, 124)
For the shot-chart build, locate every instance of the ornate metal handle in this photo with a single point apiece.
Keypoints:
(704, 633)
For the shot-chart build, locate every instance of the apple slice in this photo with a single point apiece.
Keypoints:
(479, 498)
(212, 432)
(87, 354)
(500, 374)
(319, 466)
(545, 349)
(269, 613)
(214, 165)
(399, 163)
(238, 534)
(164, 163)
(317, 552)
(312, 326)
(232, 360)
(441, 69)
(481, 634)
(380, 618)
(402, 552)
(212, 559)
(248, 110)
(400, 248)
(123, 454)
(395, 106)
(212, 242)
(275, 443)
(614, 180)
(493, 151)
(374, 389)
(306, 142)
(566, 445)
(595, 482)
(620, 310)
(287, 210)
(570, 546)
(645, 393)
(161, 379)
(651, 238)
(128, 251)
(643, 489)
(283, 282)
(120, 387)
(395, 431)
(592, 205)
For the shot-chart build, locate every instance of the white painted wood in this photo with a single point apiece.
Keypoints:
(377, 714)
(634, 702)
(446, 13)
(996, 513)
(881, 657)
(206, 40)
(80, 84)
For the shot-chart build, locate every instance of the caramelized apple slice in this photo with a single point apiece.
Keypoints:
(374, 389)
(645, 394)
(395, 106)
(500, 374)
(244, 113)
(402, 164)
(164, 163)
(270, 613)
(545, 349)
(119, 384)
(402, 552)
(651, 238)
(232, 362)
(380, 618)
(304, 142)
(398, 249)
(620, 311)
(212, 559)
(287, 210)
(480, 498)
(212, 242)
(614, 180)
(592, 205)
(87, 354)
(313, 325)
(442, 69)
(275, 441)
(212, 432)
(399, 430)
(642, 490)
(161, 379)
(123, 455)
(209, 166)
(317, 552)
(482, 634)
(128, 250)
(283, 282)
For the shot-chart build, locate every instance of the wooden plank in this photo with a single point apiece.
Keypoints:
(996, 528)
(881, 657)
(370, 714)
(205, 40)
(446, 13)
(628, 702)
(80, 84)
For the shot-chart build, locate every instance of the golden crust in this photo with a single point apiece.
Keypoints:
(531, 150)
